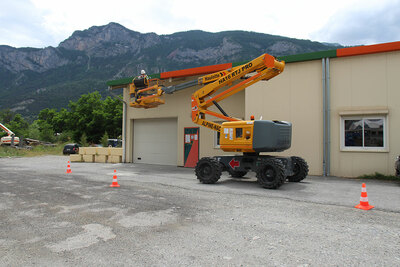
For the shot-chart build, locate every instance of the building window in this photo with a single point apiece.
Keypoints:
(363, 133)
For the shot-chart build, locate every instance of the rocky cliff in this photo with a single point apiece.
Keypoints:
(32, 79)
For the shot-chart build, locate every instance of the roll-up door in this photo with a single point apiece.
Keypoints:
(155, 141)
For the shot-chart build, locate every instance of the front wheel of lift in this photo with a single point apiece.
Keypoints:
(208, 170)
(270, 173)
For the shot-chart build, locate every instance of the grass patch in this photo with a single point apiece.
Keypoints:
(40, 150)
(380, 176)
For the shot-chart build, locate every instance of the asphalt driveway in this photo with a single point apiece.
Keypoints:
(162, 216)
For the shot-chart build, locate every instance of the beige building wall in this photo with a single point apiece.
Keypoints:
(178, 105)
(295, 96)
(359, 85)
(365, 85)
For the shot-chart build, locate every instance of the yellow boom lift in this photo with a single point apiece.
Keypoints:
(248, 137)
(10, 139)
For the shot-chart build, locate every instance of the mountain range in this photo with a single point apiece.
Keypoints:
(35, 78)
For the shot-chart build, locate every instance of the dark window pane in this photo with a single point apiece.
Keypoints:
(239, 132)
(353, 133)
(218, 137)
(373, 132)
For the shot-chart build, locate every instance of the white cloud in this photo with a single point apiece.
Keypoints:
(367, 22)
(19, 25)
(41, 23)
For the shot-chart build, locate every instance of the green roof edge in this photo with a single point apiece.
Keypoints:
(308, 56)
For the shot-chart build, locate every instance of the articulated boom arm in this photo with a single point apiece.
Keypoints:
(250, 137)
(8, 131)
(265, 67)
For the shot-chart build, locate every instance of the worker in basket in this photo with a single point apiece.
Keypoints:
(141, 82)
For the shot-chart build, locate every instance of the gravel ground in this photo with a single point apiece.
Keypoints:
(162, 216)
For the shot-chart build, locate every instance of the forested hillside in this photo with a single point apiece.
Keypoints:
(32, 79)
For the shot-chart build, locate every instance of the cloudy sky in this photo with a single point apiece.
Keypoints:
(41, 23)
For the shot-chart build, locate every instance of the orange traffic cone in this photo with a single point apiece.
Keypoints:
(364, 205)
(68, 168)
(115, 182)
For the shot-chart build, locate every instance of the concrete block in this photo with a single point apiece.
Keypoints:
(88, 158)
(101, 158)
(82, 150)
(75, 158)
(116, 151)
(115, 159)
(90, 150)
(103, 151)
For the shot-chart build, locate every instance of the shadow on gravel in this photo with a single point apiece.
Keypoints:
(249, 183)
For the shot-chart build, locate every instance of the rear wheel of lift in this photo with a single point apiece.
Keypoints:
(300, 169)
(208, 170)
(271, 173)
(237, 174)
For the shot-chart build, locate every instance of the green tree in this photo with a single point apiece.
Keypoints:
(6, 116)
(47, 115)
(113, 116)
(93, 116)
(83, 140)
(53, 118)
(104, 140)
(46, 133)
(65, 136)
(59, 121)
(87, 116)
(18, 125)
(34, 131)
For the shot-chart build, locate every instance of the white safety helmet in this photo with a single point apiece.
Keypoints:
(142, 72)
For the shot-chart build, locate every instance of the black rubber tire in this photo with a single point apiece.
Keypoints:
(208, 170)
(300, 169)
(237, 174)
(223, 167)
(271, 173)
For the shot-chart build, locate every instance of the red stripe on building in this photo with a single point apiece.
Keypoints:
(368, 49)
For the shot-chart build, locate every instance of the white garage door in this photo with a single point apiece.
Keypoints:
(155, 141)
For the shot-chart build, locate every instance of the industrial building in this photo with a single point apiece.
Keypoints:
(343, 105)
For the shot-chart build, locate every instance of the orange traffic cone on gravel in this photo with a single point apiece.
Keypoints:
(115, 182)
(364, 205)
(68, 168)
